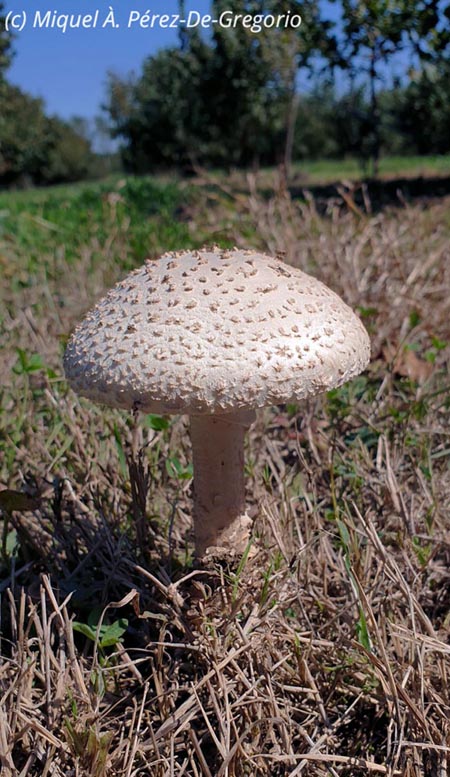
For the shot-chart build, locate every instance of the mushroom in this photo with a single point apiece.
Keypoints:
(216, 334)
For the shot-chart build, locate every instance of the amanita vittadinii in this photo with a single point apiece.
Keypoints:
(216, 334)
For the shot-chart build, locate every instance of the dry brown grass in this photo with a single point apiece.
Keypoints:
(325, 653)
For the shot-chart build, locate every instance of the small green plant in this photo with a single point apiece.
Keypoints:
(103, 634)
(422, 550)
(237, 577)
(350, 547)
(437, 345)
(175, 469)
(90, 747)
(156, 422)
(27, 363)
(341, 400)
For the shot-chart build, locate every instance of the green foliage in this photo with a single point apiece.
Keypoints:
(316, 133)
(70, 156)
(164, 121)
(350, 548)
(104, 634)
(102, 230)
(156, 422)
(175, 469)
(140, 211)
(89, 747)
(374, 31)
(35, 148)
(178, 112)
(227, 101)
(420, 112)
(5, 43)
(232, 98)
(27, 363)
(422, 550)
(432, 29)
(340, 400)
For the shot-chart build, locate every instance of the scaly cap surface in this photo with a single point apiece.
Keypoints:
(213, 331)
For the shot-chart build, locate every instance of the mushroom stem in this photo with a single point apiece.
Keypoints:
(219, 486)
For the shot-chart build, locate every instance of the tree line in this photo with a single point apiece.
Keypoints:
(243, 99)
(36, 148)
(236, 98)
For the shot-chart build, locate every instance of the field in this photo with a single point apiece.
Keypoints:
(325, 650)
(389, 166)
(323, 171)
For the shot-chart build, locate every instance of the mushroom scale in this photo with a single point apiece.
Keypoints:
(214, 331)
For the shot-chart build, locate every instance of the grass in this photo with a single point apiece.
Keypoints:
(328, 170)
(324, 653)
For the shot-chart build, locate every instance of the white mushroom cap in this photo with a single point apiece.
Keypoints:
(214, 331)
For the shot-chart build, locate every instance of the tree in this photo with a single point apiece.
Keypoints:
(159, 115)
(299, 49)
(231, 100)
(23, 144)
(430, 32)
(36, 148)
(317, 134)
(375, 30)
(420, 111)
(208, 102)
(5, 43)
(239, 91)
(280, 53)
(69, 156)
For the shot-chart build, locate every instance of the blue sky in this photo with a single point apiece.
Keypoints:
(68, 69)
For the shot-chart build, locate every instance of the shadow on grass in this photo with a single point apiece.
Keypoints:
(374, 194)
